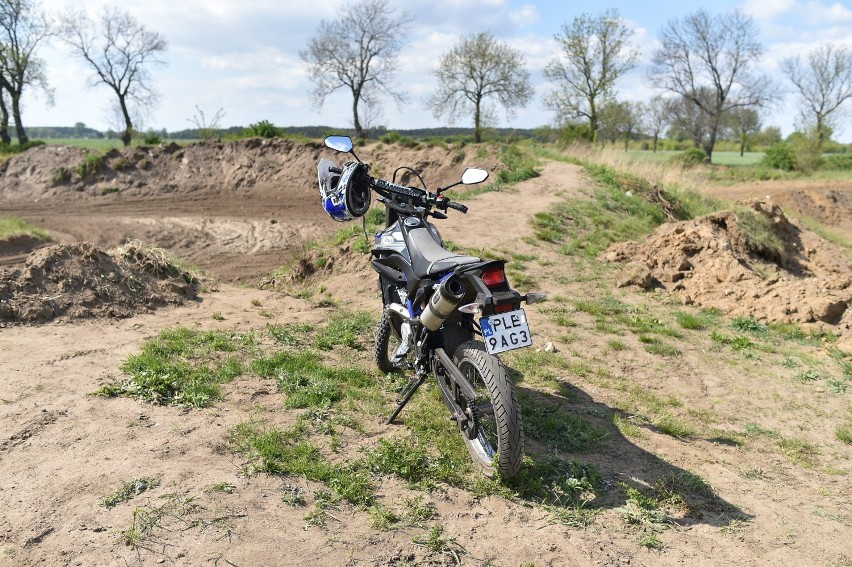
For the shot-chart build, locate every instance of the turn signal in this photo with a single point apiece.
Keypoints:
(531, 298)
(471, 308)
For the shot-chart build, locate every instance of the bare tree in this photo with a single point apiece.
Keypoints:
(22, 29)
(596, 52)
(657, 118)
(358, 51)
(710, 60)
(120, 50)
(824, 83)
(743, 122)
(478, 69)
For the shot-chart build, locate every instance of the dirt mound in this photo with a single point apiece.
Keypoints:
(713, 262)
(277, 166)
(78, 281)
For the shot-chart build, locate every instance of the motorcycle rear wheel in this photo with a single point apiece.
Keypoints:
(499, 433)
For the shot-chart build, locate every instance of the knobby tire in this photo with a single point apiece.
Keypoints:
(500, 434)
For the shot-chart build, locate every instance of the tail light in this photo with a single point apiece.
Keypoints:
(494, 278)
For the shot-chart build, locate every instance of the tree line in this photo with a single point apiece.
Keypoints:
(706, 71)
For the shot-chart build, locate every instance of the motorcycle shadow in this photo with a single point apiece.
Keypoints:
(580, 436)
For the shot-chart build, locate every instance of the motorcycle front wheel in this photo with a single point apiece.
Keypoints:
(388, 340)
(496, 443)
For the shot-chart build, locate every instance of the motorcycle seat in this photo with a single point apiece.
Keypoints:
(429, 258)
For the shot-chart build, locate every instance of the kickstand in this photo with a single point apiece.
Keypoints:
(405, 395)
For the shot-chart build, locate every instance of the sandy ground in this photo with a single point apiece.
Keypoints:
(62, 450)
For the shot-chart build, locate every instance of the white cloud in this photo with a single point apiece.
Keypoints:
(525, 17)
(765, 10)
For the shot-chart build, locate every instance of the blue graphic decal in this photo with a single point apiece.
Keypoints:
(487, 331)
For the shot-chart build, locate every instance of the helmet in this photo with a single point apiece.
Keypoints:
(346, 195)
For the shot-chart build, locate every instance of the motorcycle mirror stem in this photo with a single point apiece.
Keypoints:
(471, 176)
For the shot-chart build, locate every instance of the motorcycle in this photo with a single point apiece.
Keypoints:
(444, 314)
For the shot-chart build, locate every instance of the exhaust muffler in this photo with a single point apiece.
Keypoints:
(442, 303)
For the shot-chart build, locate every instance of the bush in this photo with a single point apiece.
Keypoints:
(691, 157)
(152, 139)
(264, 129)
(18, 148)
(780, 156)
(89, 166)
(394, 137)
(837, 162)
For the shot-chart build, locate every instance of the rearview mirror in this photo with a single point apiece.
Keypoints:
(339, 143)
(473, 175)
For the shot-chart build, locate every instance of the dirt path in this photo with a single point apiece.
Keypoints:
(62, 450)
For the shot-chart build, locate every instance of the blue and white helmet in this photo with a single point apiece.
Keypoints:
(344, 196)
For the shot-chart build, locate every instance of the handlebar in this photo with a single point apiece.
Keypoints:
(419, 197)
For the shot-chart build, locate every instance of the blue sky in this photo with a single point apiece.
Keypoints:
(242, 56)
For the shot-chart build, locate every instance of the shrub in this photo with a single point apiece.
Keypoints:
(61, 175)
(690, 157)
(152, 139)
(780, 156)
(92, 164)
(837, 162)
(394, 137)
(18, 148)
(264, 129)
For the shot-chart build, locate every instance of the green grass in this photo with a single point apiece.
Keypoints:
(719, 157)
(182, 366)
(560, 429)
(345, 328)
(696, 321)
(12, 227)
(798, 451)
(309, 383)
(844, 434)
(285, 452)
(127, 490)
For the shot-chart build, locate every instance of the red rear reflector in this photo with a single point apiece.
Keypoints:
(504, 308)
(494, 277)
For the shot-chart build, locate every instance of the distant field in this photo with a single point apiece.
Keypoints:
(719, 158)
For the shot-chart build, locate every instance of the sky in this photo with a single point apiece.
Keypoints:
(243, 57)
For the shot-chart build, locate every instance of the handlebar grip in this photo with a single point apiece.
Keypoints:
(399, 189)
(457, 206)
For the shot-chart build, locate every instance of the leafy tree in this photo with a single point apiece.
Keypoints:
(621, 120)
(710, 60)
(686, 119)
(743, 122)
(22, 29)
(120, 50)
(824, 83)
(358, 51)
(478, 69)
(596, 52)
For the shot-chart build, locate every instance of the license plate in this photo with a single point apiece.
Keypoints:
(506, 331)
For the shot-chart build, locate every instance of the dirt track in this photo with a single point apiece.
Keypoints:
(62, 450)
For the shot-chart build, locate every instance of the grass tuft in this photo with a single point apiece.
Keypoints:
(181, 366)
